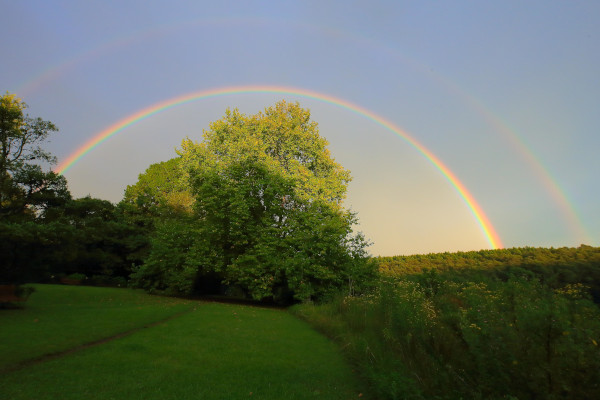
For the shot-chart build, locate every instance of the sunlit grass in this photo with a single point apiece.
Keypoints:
(216, 351)
(57, 318)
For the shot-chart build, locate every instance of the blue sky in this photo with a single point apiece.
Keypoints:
(505, 93)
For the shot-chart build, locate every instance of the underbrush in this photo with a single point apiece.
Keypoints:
(432, 338)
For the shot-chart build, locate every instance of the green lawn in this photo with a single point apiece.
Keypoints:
(214, 351)
(57, 318)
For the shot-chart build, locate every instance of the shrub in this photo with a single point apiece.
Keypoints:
(434, 338)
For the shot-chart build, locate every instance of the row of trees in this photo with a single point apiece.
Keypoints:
(555, 267)
(254, 210)
(44, 232)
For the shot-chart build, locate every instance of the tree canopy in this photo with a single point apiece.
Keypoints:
(268, 218)
(282, 140)
(160, 190)
(43, 231)
(24, 186)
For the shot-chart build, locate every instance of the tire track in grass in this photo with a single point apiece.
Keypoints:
(59, 354)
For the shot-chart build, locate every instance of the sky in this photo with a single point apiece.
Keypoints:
(500, 97)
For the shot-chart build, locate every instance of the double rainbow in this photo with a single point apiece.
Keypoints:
(484, 223)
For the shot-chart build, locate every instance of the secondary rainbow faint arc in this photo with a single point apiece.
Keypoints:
(490, 233)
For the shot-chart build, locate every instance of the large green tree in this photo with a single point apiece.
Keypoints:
(25, 188)
(26, 193)
(268, 213)
(43, 232)
(283, 140)
(159, 204)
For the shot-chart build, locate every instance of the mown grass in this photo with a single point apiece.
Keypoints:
(216, 351)
(57, 318)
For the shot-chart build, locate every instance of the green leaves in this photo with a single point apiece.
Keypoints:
(166, 269)
(282, 140)
(23, 184)
(267, 202)
(160, 191)
(429, 337)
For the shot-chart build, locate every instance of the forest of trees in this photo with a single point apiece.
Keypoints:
(555, 267)
(44, 232)
(255, 211)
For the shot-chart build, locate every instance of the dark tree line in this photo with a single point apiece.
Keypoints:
(44, 232)
(255, 211)
(554, 267)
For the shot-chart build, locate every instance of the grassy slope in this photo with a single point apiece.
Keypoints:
(58, 318)
(214, 352)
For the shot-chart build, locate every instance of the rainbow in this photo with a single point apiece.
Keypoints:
(543, 175)
(484, 223)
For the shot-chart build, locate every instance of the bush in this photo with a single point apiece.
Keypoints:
(12, 294)
(76, 276)
(434, 338)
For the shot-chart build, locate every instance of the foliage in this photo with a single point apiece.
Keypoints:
(158, 205)
(267, 212)
(166, 270)
(555, 267)
(468, 341)
(43, 232)
(283, 140)
(87, 236)
(160, 191)
(98, 238)
(450, 335)
(29, 250)
(24, 187)
(26, 191)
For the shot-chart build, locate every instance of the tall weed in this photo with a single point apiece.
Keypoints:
(434, 338)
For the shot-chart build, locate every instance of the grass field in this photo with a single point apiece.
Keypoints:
(57, 318)
(206, 351)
